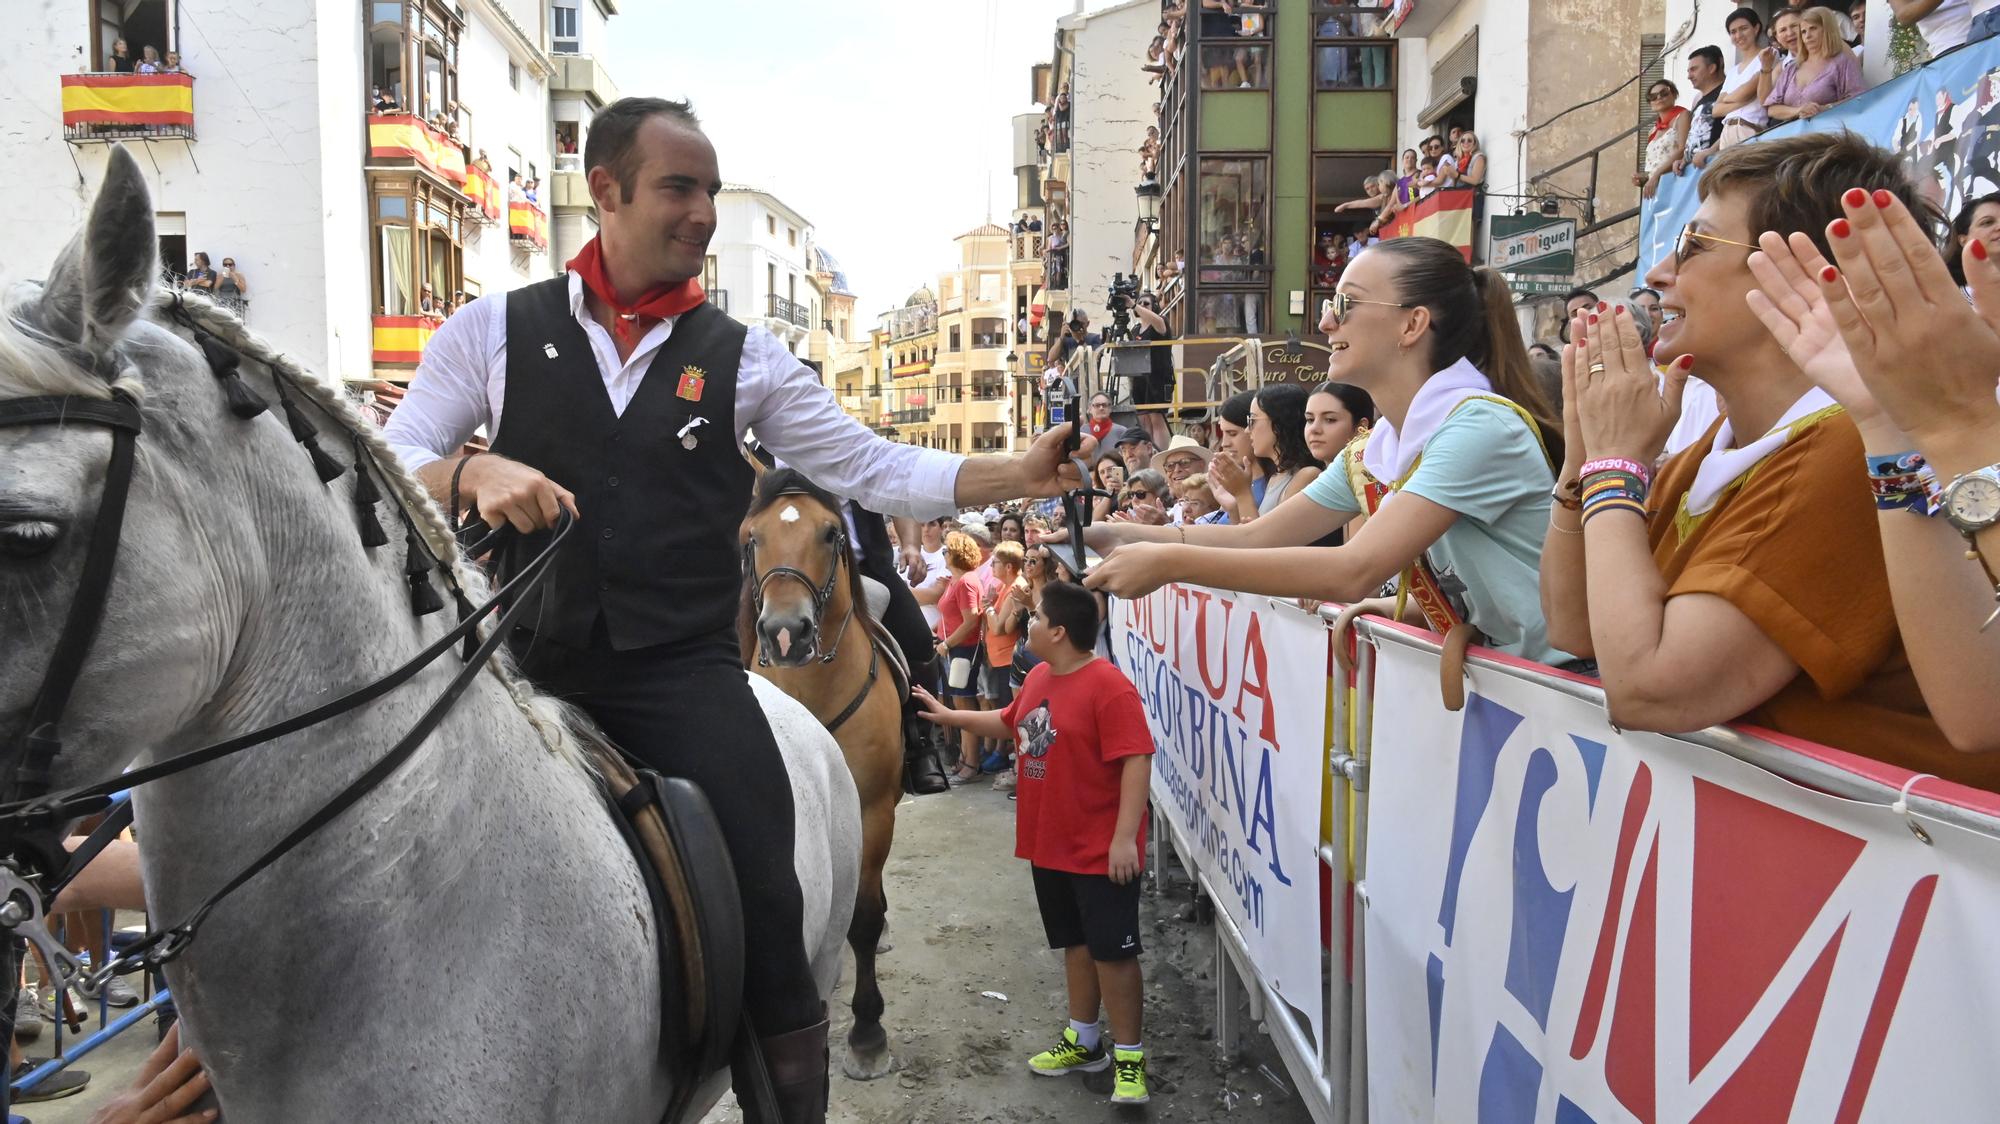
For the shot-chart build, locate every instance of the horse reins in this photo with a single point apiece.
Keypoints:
(822, 596)
(30, 814)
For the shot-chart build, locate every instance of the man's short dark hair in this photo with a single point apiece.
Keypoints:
(1072, 608)
(1711, 52)
(1585, 294)
(616, 127)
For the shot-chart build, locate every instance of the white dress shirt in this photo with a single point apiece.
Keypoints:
(462, 383)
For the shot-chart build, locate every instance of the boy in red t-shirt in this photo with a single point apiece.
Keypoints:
(1082, 767)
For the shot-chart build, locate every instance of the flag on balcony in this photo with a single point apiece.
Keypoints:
(401, 339)
(403, 136)
(128, 99)
(527, 222)
(1444, 215)
(483, 189)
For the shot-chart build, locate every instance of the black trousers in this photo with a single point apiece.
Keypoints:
(687, 710)
(904, 619)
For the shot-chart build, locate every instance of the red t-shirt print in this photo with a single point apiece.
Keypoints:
(1073, 733)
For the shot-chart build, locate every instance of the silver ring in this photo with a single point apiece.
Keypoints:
(1597, 368)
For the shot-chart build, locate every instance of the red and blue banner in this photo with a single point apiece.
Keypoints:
(1566, 924)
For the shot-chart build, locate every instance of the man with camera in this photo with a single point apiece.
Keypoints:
(1156, 387)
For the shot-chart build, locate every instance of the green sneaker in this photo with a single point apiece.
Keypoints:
(1069, 1056)
(1130, 1068)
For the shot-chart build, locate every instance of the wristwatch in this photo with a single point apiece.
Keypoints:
(1972, 504)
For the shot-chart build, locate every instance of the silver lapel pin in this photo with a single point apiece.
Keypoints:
(688, 439)
(549, 350)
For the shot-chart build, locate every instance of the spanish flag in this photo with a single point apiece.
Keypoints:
(525, 220)
(128, 99)
(480, 188)
(401, 339)
(403, 136)
(1444, 215)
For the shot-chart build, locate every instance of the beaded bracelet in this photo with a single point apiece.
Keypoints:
(1618, 464)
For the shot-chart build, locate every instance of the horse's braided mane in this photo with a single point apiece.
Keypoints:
(560, 726)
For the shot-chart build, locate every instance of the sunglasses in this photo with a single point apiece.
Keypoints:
(1690, 237)
(1340, 304)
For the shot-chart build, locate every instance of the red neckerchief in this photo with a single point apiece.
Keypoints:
(656, 303)
(1098, 427)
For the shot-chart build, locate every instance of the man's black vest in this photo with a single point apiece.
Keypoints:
(654, 556)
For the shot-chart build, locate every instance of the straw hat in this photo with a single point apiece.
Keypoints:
(1180, 444)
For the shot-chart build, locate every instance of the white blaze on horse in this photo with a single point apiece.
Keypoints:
(471, 941)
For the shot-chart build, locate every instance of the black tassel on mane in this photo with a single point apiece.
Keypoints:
(366, 496)
(306, 434)
(424, 599)
(224, 361)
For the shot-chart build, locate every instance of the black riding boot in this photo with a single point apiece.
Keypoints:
(797, 1063)
(922, 774)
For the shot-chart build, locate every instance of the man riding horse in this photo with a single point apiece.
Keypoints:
(618, 392)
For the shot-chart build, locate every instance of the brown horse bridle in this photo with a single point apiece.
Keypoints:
(822, 596)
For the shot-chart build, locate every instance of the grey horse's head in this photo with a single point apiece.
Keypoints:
(168, 620)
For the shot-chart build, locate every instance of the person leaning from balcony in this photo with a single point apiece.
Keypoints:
(514, 193)
(1704, 74)
(1944, 24)
(1857, 15)
(1668, 138)
(1851, 330)
(119, 61)
(230, 287)
(1780, 56)
(1828, 70)
(1741, 106)
(1746, 581)
(1458, 469)
(1471, 162)
(149, 61)
(173, 64)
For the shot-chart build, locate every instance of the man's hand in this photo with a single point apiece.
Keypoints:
(915, 570)
(1046, 471)
(168, 1083)
(509, 492)
(1124, 860)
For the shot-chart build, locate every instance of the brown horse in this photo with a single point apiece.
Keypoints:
(805, 626)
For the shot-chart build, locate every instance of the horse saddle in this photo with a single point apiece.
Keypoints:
(674, 835)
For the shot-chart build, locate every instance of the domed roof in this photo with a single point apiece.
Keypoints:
(921, 296)
(824, 262)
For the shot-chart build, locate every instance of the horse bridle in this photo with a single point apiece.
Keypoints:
(822, 594)
(33, 864)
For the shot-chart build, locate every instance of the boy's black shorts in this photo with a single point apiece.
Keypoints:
(1089, 909)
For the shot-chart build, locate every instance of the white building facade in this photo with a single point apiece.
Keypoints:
(1095, 60)
(760, 266)
(274, 151)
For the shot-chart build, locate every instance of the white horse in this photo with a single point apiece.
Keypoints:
(471, 942)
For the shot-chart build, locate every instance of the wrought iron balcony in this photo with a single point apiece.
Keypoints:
(789, 311)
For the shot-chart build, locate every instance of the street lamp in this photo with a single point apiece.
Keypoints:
(1149, 202)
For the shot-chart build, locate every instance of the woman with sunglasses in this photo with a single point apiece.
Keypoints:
(1668, 138)
(1456, 474)
(1745, 580)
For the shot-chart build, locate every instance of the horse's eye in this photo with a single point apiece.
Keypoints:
(28, 538)
(831, 534)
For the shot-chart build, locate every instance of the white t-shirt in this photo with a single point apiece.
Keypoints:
(1752, 114)
(1947, 25)
(1699, 409)
(935, 574)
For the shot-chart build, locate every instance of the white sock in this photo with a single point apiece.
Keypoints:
(1086, 1034)
(1135, 1048)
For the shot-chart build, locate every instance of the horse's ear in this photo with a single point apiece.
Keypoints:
(103, 279)
(755, 454)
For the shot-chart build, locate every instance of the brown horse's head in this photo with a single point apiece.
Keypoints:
(798, 588)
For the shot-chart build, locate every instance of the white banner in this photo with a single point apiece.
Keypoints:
(1568, 925)
(1239, 776)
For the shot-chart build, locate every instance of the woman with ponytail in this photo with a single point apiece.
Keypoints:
(1455, 476)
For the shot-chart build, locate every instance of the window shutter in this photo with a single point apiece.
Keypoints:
(1652, 68)
(1453, 79)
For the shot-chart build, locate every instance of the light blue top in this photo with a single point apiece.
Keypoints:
(1484, 463)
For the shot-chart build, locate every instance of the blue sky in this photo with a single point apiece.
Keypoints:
(882, 121)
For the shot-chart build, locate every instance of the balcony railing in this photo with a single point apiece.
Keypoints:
(405, 136)
(790, 311)
(720, 299)
(112, 107)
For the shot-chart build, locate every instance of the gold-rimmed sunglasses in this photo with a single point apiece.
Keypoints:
(1340, 304)
(1689, 236)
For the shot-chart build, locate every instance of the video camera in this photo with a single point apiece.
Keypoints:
(1123, 295)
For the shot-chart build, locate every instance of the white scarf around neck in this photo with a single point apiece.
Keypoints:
(1391, 451)
(1722, 464)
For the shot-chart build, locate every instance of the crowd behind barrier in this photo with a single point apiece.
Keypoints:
(1461, 915)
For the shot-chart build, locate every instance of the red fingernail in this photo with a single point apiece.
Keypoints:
(1687, 362)
(1829, 275)
(1580, 341)
(1978, 249)
(1840, 228)
(1855, 197)
(1602, 306)
(1883, 198)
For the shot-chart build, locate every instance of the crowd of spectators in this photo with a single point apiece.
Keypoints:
(1437, 163)
(119, 60)
(1818, 557)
